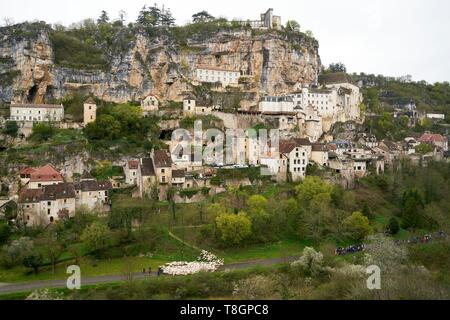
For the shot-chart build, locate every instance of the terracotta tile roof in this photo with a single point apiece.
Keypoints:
(27, 171)
(319, 147)
(46, 173)
(59, 191)
(302, 142)
(90, 100)
(430, 138)
(178, 174)
(162, 159)
(133, 164)
(147, 169)
(287, 146)
(31, 195)
(93, 185)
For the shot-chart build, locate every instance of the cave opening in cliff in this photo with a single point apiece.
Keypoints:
(32, 94)
(166, 135)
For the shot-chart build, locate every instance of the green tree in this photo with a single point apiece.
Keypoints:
(424, 148)
(42, 132)
(337, 67)
(412, 209)
(313, 187)
(5, 232)
(358, 226)
(292, 25)
(105, 127)
(97, 237)
(202, 16)
(104, 18)
(33, 259)
(234, 229)
(394, 226)
(11, 129)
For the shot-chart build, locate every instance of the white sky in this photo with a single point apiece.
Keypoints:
(390, 37)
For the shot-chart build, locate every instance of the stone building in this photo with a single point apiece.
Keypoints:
(217, 75)
(149, 104)
(90, 111)
(33, 178)
(37, 113)
(190, 108)
(267, 21)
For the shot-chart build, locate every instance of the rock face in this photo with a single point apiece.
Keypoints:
(273, 63)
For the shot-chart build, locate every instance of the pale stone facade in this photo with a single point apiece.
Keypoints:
(37, 112)
(90, 111)
(214, 75)
(149, 104)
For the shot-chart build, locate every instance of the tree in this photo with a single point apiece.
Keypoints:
(412, 209)
(366, 210)
(311, 262)
(97, 237)
(14, 253)
(42, 132)
(424, 148)
(11, 129)
(292, 25)
(202, 16)
(149, 17)
(166, 18)
(5, 232)
(394, 226)
(53, 247)
(313, 188)
(234, 229)
(261, 220)
(337, 67)
(358, 226)
(106, 127)
(122, 16)
(104, 18)
(33, 260)
(309, 33)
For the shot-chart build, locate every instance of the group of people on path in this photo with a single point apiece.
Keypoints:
(428, 238)
(351, 249)
(149, 271)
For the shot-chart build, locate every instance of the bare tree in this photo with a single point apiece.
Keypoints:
(7, 21)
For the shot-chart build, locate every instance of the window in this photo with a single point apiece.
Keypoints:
(49, 203)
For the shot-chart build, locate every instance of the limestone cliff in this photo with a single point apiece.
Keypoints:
(274, 63)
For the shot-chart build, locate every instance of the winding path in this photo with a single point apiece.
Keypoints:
(7, 288)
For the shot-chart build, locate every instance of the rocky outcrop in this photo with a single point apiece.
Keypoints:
(273, 62)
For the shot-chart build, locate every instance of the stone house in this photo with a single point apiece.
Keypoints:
(92, 194)
(190, 107)
(435, 140)
(47, 204)
(319, 154)
(33, 178)
(149, 104)
(131, 172)
(162, 163)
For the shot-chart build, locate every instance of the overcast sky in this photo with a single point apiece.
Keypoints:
(390, 37)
